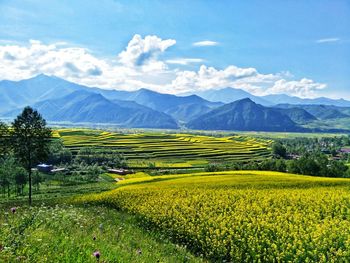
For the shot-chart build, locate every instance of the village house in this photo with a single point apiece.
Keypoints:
(49, 168)
(120, 171)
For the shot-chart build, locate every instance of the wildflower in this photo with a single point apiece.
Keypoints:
(13, 210)
(97, 255)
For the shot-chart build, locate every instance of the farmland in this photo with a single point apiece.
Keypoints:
(243, 216)
(168, 150)
(169, 210)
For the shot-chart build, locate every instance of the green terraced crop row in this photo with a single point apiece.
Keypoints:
(168, 148)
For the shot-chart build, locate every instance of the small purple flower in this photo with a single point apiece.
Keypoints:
(13, 210)
(97, 255)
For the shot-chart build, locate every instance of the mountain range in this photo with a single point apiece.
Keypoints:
(182, 108)
(243, 115)
(321, 112)
(224, 109)
(228, 95)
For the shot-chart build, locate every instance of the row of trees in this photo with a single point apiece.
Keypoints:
(316, 165)
(311, 158)
(13, 178)
(10, 174)
(302, 146)
(104, 158)
(27, 140)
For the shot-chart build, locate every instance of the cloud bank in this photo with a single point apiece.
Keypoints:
(140, 65)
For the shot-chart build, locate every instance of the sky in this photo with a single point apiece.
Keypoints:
(299, 48)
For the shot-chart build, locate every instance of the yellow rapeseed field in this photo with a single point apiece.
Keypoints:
(243, 216)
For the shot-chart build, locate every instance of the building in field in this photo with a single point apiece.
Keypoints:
(44, 168)
(120, 171)
(345, 150)
(49, 168)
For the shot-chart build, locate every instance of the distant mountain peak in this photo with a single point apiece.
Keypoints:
(43, 76)
(229, 94)
(194, 96)
(244, 115)
(146, 91)
(245, 100)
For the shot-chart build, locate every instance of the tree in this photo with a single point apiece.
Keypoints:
(7, 170)
(20, 180)
(30, 141)
(5, 180)
(281, 165)
(309, 166)
(279, 150)
(58, 154)
(37, 179)
(4, 139)
(337, 169)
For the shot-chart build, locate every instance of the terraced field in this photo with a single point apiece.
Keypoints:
(243, 216)
(186, 150)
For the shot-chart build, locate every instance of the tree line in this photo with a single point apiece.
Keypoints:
(312, 159)
(28, 140)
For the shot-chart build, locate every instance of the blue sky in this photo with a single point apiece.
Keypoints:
(297, 47)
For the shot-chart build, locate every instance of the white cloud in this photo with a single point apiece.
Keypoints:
(248, 79)
(184, 61)
(304, 88)
(210, 78)
(328, 40)
(205, 43)
(18, 62)
(79, 65)
(140, 66)
(144, 52)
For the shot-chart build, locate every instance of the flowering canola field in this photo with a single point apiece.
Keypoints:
(243, 216)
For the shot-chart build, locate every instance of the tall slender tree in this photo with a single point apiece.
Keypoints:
(30, 141)
(4, 139)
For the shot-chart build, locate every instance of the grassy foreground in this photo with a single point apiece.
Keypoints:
(65, 233)
(243, 216)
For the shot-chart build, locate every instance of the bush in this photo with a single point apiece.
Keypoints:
(212, 168)
(279, 150)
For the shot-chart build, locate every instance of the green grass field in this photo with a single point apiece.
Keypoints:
(66, 233)
(245, 216)
(58, 192)
(341, 123)
(168, 150)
